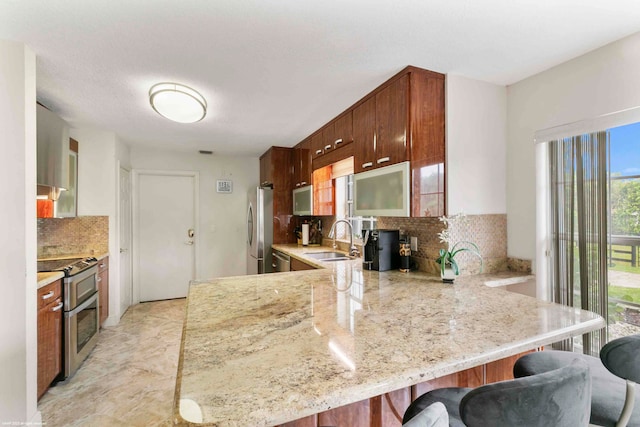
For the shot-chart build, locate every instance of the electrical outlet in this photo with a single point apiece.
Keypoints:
(414, 243)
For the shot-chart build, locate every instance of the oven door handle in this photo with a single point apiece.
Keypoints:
(82, 306)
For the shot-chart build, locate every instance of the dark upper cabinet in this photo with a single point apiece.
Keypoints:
(317, 143)
(402, 119)
(340, 131)
(391, 123)
(276, 169)
(364, 135)
(302, 164)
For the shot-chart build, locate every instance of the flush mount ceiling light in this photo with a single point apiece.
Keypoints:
(177, 102)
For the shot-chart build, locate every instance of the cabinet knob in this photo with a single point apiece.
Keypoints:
(318, 151)
(57, 307)
(337, 141)
(383, 160)
(303, 183)
(47, 295)
(298, 184)
(327, 147)
(367, 165)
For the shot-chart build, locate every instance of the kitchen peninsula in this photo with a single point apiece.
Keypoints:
(270, 349)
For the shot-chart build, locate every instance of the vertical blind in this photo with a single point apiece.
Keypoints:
(578, 224)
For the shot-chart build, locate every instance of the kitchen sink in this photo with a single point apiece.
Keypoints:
(328, 256)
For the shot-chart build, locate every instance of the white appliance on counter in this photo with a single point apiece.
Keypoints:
(259, 230)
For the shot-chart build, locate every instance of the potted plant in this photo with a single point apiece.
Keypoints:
(449, 268)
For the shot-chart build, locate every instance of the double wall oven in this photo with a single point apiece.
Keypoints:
(81, 316)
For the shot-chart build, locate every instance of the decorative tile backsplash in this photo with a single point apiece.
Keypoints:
(83, 235)
(488, 232)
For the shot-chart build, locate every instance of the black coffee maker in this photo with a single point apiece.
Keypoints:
(381, 250)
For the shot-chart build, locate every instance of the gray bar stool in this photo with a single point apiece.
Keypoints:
(434, 415)
(559, 398)
(613, 376)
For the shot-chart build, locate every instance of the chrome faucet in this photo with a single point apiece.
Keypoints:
(353, 251)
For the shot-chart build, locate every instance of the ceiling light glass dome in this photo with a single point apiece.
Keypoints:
(177, 102)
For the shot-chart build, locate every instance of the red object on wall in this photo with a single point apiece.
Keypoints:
(44, 208)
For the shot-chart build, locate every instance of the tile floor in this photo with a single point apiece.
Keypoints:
(129, 378)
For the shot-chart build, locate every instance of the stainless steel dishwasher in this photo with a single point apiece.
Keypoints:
(280, 262)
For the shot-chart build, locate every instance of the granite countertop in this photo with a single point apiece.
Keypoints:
(98, 256)
(48, 277)
(266, 349)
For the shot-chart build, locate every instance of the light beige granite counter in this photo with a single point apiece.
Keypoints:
(97, 255)
(266, 349)
(49, 277)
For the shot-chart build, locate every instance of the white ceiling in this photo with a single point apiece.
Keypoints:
(273, 71)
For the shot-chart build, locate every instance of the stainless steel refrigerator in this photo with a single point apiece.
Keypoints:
(259, 230)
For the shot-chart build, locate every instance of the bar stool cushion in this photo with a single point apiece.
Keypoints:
(434, 415)
(608, 391)
(622, 357)
(561, 398)
(450, 397)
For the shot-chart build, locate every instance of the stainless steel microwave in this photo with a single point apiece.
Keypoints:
(382, 191)
(303, 200)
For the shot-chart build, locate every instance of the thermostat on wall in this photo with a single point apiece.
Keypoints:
(224, 186)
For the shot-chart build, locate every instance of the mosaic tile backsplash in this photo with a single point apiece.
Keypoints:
(83, 235)
(488, 232)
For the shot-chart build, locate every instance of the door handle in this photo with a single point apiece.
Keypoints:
(123, 250)
(190, 242)
(191, 233)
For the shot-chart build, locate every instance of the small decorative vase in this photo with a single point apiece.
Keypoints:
(448, 276)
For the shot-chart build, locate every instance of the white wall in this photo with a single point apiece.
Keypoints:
(99, 153)
(222, 228)
(603, 81)
(18, 254)
(476, 123)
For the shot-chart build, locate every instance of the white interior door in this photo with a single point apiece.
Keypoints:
(166, 209)
(125, 241)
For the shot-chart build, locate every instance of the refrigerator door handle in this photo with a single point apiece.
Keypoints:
(250, 225)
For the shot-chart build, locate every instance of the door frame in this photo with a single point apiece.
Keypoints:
(135, 200)
(120, 167)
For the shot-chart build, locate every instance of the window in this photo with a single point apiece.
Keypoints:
(340, 175)
(592, 234)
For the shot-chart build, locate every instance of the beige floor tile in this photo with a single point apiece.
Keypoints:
(129, 378)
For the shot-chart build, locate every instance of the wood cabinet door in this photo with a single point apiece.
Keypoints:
(391, 123)
(364, 135)
(302, 171)
(49, 342)
(297, 265)
(265, 168)
(328, 137)
(343, 130)
(317, 144)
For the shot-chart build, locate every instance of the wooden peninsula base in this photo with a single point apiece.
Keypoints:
(387, 410)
